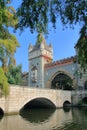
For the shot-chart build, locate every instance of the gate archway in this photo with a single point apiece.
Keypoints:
(63, 80)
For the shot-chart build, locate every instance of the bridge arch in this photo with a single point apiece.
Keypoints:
(1, 111)
(66, 104)
(61, 74)
(39, 102)
(84, 100)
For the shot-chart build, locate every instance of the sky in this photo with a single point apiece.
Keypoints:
(63, 42)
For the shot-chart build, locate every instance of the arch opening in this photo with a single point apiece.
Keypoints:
(66, 104)
(1, 113)
(35, 106)
(84, 100)
(39, 103)
(62, 81)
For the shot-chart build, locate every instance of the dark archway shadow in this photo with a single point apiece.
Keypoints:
(37, 110)
(62, 81)
(1, 113)
(66, 106)
(84, 100)
(36, 115)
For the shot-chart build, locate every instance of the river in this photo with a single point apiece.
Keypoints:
(46, 119)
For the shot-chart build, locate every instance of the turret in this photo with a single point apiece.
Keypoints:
(30, 48)
(39, 55)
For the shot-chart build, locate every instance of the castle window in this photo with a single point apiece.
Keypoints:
(34, 74)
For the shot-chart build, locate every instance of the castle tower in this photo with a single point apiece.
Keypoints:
(39, 55)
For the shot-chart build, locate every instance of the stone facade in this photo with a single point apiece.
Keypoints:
(24, 77)
(42, 69)
(39, 55)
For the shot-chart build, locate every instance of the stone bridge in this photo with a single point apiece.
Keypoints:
(20, 96)
(79, 97)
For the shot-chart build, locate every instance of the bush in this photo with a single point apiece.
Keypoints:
(4, 86)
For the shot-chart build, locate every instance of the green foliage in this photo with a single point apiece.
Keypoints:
(14, 75)
(37, 13)
(40, 38)
(7, 50)
(7, 18)
(81, 47)
(73, 11)
(80, 103)
(8, 42)
(33, 14)
(4, 86)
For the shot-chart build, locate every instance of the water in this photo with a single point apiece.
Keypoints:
(46, 119)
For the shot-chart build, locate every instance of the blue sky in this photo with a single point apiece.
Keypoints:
(63, 42)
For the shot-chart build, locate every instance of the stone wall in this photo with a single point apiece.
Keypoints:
(19, 96)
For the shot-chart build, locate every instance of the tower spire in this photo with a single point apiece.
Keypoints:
(40, 39)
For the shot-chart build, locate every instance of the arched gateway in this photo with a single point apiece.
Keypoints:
(63, 80)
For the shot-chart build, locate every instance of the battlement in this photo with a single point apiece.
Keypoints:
(61, 62)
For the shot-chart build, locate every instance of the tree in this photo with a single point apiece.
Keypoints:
(7, 19)
(8, 42)
(36, 14)
(7, 50)
(14, 74)
(4, 86)
(81, 47)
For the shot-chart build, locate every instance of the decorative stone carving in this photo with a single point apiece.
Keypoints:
(34, 74)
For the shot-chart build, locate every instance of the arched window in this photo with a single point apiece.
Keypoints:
(85, 85)
(34, 74)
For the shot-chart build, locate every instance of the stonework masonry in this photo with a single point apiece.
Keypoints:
(19, 96)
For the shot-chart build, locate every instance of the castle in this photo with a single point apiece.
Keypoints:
(44, 73)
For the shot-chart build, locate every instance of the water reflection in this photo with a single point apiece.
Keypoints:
(67, 109)
(73, 119)
(1, 116)
(36, 115)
